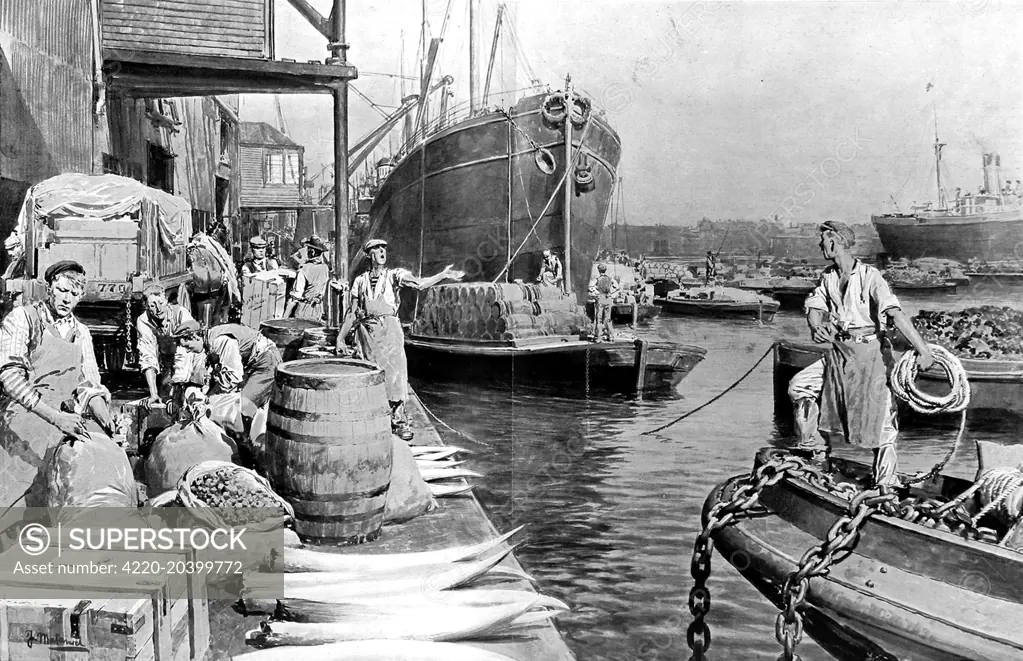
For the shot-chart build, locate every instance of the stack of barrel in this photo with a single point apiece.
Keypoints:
(495, 311)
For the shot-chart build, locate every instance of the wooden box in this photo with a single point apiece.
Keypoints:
(263, 298)
(171, 623)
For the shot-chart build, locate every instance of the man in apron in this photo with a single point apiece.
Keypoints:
(155, 344)
(50, 381)
(306, 299)
(852, 379)
(372, 308)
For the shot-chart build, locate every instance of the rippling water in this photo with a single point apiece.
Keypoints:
(612, 513)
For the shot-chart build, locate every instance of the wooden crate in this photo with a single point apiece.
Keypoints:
(263, 298)
(171, 623)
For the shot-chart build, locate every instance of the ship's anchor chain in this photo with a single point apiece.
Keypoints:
(817, 561)
(744, 501)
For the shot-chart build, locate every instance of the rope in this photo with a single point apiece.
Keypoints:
(449, 427)
(903, 384)
(714, 399)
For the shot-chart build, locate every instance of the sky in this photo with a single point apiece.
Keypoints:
(807, 110)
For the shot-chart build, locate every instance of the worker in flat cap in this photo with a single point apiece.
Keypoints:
(155, 345)
(847, 392)
(603, 289)
(50, 384)
(551, 271)
(371, 306)
(310, 288)
(257, 260)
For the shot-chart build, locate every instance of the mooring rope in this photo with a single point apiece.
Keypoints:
(713, 399)
(449, 427)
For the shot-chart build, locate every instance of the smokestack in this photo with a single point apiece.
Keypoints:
(992, 174)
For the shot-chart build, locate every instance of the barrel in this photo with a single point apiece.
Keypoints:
(319, 337)
(287, 334)
(328, 447)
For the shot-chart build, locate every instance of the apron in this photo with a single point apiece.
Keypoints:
(855, 399)
(383, 342)
(27, 443)
(311, 306)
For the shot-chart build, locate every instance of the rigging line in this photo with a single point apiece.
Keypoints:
(367, 100)
(385, 75)
(519, 52)
(449, 427)
(727, 390)
(564, 182)
(525, 196)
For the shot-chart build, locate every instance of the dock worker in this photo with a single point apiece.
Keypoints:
(372, 309)
(258, 261)
(603, 290)
(240, 359)
(710, 267)
(551, 272)
(155, 345)
(50, 383)
(849, 308)
(306, 298)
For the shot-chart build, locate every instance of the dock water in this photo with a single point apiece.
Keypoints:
(459, 520)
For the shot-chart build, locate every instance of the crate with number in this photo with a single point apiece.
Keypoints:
(263, 298)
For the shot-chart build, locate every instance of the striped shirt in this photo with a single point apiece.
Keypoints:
(15, 365)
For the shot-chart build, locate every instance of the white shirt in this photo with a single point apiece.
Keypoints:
(867, 296)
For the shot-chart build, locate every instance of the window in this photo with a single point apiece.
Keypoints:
(291, 172)
(274, 167)
(161, 168)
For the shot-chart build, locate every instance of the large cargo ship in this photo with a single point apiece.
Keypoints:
(985, 226)
(489, 189)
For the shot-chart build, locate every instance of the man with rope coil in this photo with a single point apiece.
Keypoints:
(852, 380)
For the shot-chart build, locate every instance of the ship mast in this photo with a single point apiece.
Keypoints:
(474, 59)
(937, 161)
(567, 211)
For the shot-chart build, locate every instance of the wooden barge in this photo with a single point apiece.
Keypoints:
(995, 385)
(907, 592)
(622, 366)
(759, 311)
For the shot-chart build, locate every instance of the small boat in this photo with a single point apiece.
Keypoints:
(621, 366)
(943, 287)
(995, 385)
(621, 313)
(1007, 275)
(791, 298)
(906, 592)
(763, 309)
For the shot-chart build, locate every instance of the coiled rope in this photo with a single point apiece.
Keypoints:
(996, 486)
(903, 384)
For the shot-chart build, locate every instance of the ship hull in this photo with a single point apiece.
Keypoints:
(987, 237)
(470, 196)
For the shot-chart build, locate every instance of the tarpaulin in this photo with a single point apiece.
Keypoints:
(107, 197)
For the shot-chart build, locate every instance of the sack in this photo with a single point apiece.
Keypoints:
(93, 473)
(181, 446)
(226, 410)
(409, 495)
(246, 485)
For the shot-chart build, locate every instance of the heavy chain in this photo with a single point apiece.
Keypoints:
(817, 561)
(742, 501)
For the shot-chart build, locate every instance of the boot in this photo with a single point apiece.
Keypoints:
(805, 414)
(399, 424)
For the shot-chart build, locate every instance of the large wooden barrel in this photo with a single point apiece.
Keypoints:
(320, 337)
(287, 334)
(328, 447)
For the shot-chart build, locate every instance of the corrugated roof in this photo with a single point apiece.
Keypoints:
(261, 133)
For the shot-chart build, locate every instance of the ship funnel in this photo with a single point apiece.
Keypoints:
(992, 174)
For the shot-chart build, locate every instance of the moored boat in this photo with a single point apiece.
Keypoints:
(621, 313)
(621, 366)
(909, 588)
(995, 385)
(691, 303)
(791, 298)
(944, 287)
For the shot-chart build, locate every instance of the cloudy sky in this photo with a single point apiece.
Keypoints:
(727, 110)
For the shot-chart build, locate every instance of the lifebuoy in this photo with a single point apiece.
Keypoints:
(581, 108)
(554, 108)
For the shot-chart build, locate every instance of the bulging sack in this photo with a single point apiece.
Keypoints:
(181, 446)
(409, 495)
(93, 473)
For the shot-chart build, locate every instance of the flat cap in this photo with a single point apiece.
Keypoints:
(839, 228)
(602, 268)
(12, 242)
(315, 243)
(186, 328)
(63, 266)
(257, 242)
(373, 243)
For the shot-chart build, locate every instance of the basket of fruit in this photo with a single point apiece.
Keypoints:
(222, 494)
